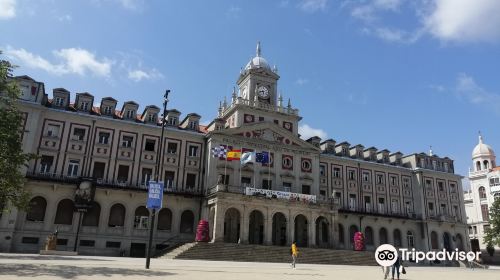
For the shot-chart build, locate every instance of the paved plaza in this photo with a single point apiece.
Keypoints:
(25, 266)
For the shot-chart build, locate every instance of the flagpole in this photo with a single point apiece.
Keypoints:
(269, 171)
(239, 182)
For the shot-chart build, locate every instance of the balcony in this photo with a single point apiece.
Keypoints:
(371, 212)
(113, 184)
(473, 174)
(261, 105)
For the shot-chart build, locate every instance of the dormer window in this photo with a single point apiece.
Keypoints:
(152, 118)
(58, 101)
(193, 125)
(84, 106)
(107, 110)
(130, 114)
(344, 151)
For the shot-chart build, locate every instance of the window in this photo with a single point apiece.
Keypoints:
(306, 189)
(431, 209)
(62, 242)
(408, 207)
(482, 193)
(99, 169)
(428, 184)
(322, 170)
(287, 187)
(494, 181)
(141, 220)
(112, 244)
(116, 215)
(193, 125)
(172, 121)
(344, 151)
(73, 167)
(30, 240)
(150, 145)
(59, 102)
(336, 172)
(152, 118)
(366, 177)
(351, 174)
(267, 184)
(103, 138)
(36, 211)
(352, 202)
(53, 130)
(368, 204)
(455, 211)
(130, 114)
(169, 178)
(78, 134)
(122, 173)
(107, 110)
(46, 164)
(190, 181)
(443, 209)
(306, 165)
(452, 188)
(146, 176)
(193, 151)
(410, 239)
(441, 186)
(322, 193)
(484, 212)
(287, 162)
(381, 205)
(172, 148)
(406, 183)
(87, 243)
(127, 141)
(84, 106)
(393, 180)
(246, 181)
(395, 206)
(380, 179)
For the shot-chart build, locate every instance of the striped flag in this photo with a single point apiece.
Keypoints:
(233, 155)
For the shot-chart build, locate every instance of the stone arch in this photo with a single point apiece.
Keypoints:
(486, 164)
(369, 236)
(164, 219)
(301, 231)
(279, 229)
(64, 212)
(256, 227)
(352, 230)
(397, 238)
(116, 215)
(382, 233)
(37, 208)
(232, 225)
(91, 217)
(478, 165)
(322, 232)
(187, 222)
(434, 241)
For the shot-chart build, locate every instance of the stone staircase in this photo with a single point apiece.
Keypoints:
(275, 254)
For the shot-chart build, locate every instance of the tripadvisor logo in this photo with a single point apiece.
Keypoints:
(387, 255)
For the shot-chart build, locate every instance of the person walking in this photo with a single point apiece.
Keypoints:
(295, 252)
(385, 270)
(395, 267)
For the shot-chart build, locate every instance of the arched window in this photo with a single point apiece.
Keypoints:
(369, 236)
(116, 215)
(383, 236)
(434, 241)
(187, 222)
(64, 213)
(482, 193)
(37, 207)
(141, 220)
(410, 240)
(91, 218)
(486, 164)
(165, 219)
(478, 165)
(397, 238)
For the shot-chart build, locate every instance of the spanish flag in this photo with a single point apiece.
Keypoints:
(233, 155)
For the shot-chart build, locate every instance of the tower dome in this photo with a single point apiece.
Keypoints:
(258, 61)
(482, 150)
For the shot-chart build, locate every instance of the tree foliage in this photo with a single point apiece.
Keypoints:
(493, 233)
(12, 158)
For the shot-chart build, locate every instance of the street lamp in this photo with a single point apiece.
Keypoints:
(159, 155)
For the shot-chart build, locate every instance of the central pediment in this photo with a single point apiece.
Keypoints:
(267, 132)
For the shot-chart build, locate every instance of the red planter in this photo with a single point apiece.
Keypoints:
(202, 232)
(359, 241)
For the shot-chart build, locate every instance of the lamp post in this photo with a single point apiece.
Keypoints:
(159, 155)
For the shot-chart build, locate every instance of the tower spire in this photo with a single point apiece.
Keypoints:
(430, 151)
(258, 49)
(480, 137)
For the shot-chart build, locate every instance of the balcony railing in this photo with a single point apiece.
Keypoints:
(372, 212)
(109, 183)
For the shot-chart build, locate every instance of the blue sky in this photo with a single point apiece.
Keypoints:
(393, 74)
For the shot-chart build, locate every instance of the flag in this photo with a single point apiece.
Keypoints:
(247, 157)
(219, 152)
(233, 155)
(262, 157)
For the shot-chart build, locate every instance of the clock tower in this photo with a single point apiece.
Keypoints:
(257, 81)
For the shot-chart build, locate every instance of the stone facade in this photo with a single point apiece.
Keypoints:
(410, 201)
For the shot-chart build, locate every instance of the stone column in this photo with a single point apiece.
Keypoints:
(291, 228)
(333, 241)
(218, 227)
(268, 228)
(244, 226)
(311, 231)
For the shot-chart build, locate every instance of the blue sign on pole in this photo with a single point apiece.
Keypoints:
(155, 195)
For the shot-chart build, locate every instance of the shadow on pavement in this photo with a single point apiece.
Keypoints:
(49, 258)
(69, 272)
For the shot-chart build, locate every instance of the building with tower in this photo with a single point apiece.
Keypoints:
(317, 192)
(484, 178)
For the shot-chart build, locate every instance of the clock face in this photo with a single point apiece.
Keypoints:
(263, 92)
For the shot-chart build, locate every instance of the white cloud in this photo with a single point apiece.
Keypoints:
(133, 5)
(466, 89)
(139, 75)
(307, 132)
(71, 61)
(311, 6)
(464, 20)
(301, 81)
(7, 9)
(369, 12)
(65, 18)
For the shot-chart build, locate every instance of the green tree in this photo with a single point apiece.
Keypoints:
(492, 235)
(12, 158)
